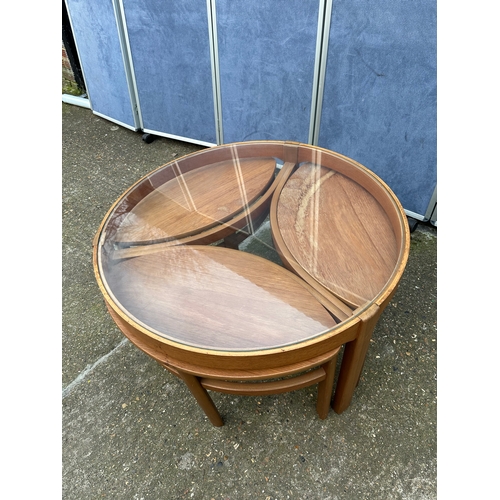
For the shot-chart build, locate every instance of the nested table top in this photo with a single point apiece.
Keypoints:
(334, 223)
(216, 298)
(181, 203)
(338, 232)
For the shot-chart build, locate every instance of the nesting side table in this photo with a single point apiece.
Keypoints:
(166, 261)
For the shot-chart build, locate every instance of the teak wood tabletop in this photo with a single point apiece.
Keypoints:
(220, 318)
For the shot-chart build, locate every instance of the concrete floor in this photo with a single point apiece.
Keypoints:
(131, 430)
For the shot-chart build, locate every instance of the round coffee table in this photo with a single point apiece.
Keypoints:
(166, 261)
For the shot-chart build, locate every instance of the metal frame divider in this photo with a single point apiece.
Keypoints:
(121, 22)
(214, 59)
(431, 212)
(322, 40)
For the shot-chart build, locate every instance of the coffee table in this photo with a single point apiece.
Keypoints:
(166, 259)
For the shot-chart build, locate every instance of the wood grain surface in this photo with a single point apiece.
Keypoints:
(217, 298)
(194, 201)
(338, 232)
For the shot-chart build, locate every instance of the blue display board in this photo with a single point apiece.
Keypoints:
(379, 104)
(99, 49)
(170, 52)
(267, 57)
(225, 71)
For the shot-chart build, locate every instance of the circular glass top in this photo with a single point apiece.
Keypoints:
(162, 261)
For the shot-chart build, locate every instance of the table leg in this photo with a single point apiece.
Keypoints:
(325, 388)
(353, 361)
(203, 398)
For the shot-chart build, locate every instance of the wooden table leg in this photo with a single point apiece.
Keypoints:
(233, 240)
(353, 361)
(203, 398)
(325, 388)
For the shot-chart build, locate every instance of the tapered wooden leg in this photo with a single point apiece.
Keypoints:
(352, 363)
(203, 398)
(325, 388)
(234, 240)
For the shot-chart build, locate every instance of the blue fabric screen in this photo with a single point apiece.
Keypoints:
(266, 56)
(379, 104)
(169, 44)
(99, 50)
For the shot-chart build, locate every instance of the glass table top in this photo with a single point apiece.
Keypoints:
(162, 259)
